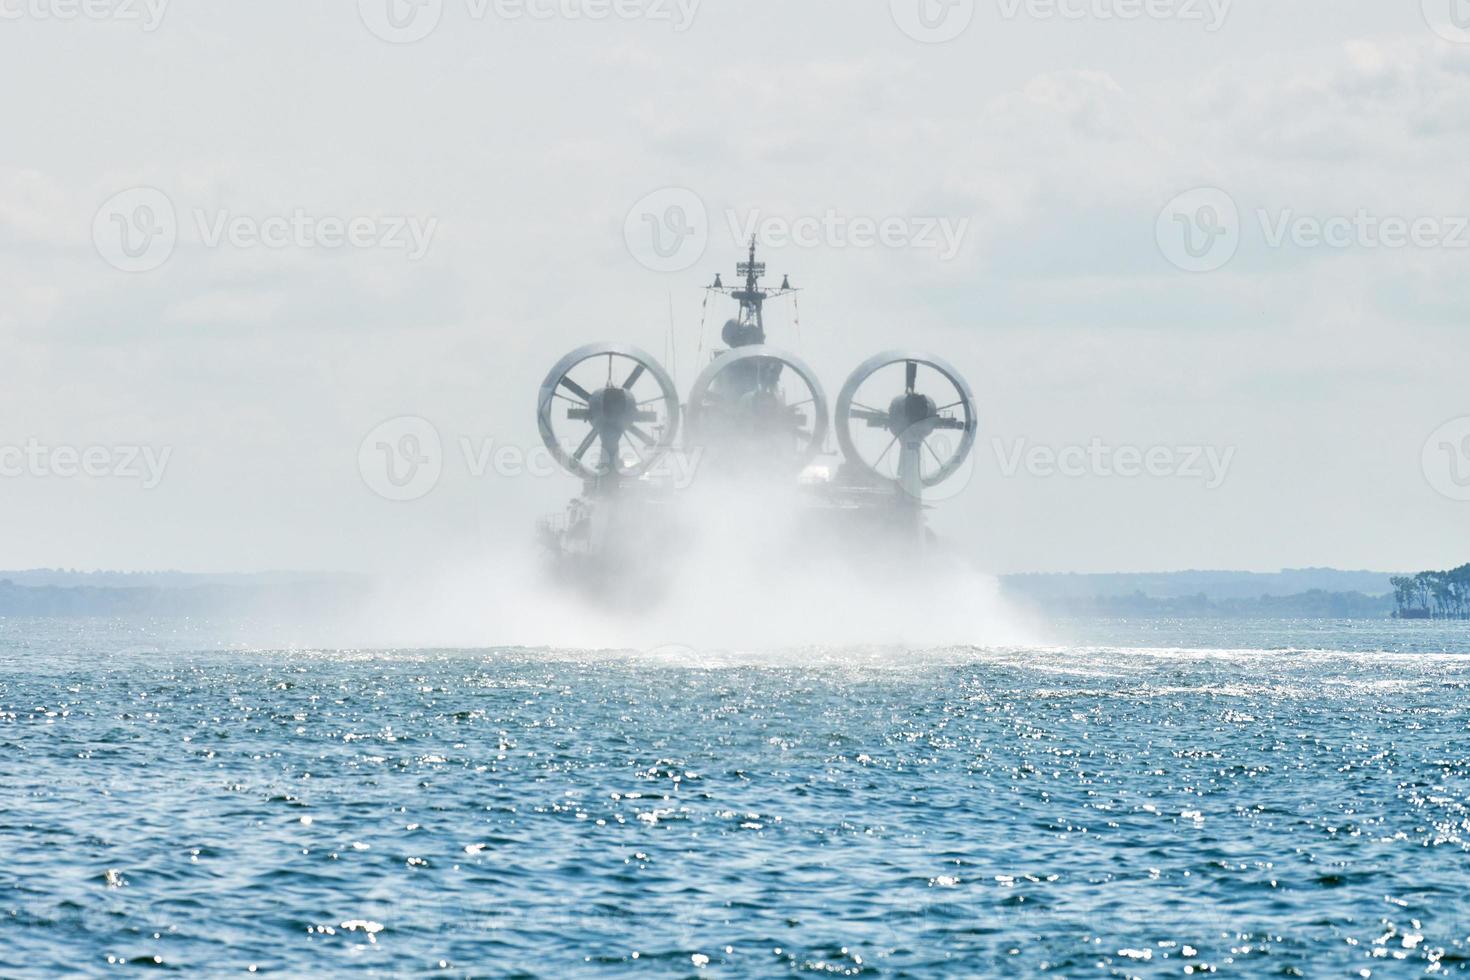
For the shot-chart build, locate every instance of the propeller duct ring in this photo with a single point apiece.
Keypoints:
(704, 384)
(558, 387)
(872, 366)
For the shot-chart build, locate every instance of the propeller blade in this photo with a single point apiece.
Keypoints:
(576, 389)
(643, 437)
(911, 377)
(633, 378)
(933, 453)
(869, 415)
(586, 445)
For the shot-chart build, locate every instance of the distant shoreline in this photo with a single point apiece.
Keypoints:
(1291, 593)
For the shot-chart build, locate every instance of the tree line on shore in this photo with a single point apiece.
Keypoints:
(1433, 595)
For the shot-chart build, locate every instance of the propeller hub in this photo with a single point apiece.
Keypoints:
(613, 408)
(913, 414)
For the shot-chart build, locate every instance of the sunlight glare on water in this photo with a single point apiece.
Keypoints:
(1103, 808)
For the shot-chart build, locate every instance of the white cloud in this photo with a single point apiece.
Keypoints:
(528, 143)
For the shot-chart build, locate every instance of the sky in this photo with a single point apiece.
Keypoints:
(1201, 262)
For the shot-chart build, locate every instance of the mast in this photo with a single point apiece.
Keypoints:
(749, 328)
(749, 390)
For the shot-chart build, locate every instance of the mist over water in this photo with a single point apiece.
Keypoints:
(728, 567)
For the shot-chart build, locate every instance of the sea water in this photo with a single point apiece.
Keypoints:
(1148, 798)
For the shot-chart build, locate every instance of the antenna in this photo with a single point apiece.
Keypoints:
(750, 328)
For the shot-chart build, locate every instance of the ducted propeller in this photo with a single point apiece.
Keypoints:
(760, 396)
(608, 409)
(930, 421)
